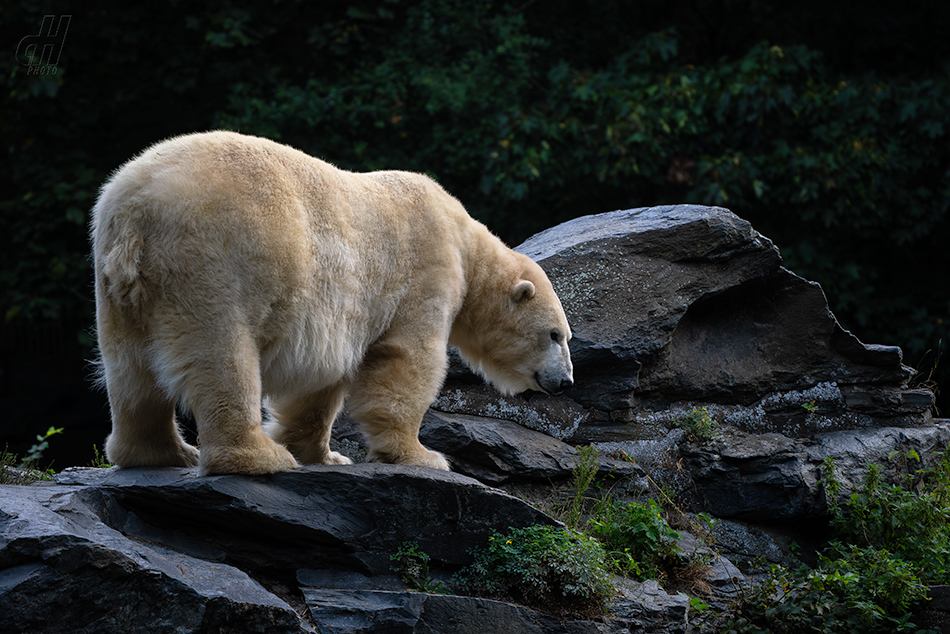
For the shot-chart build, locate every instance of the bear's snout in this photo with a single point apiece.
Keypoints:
(553, 385)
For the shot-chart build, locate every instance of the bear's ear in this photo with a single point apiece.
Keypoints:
(522, 291)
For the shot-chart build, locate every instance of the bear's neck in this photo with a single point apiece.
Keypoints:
(490, 270)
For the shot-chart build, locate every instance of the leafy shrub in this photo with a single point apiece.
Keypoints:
(894, 541)
(412, 566)
(859, 591)
(637, 538)
(554, 569)
(912, 523)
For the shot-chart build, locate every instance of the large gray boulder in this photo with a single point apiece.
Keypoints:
(681, 306)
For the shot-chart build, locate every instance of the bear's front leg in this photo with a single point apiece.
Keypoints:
(394, 387)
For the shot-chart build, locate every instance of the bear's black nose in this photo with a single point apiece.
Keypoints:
(566, 384)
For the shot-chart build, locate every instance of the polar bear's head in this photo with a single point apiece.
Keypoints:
(516, 336)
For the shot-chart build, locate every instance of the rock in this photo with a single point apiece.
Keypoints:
(890, 448)
(721, 572)
(450, 513)
(358, 611)
(161, 550)
(770, 335)
(749, 546)
(63, 570)
(686, 304)
(495, 451)
(770, 477)
(692, 303)
(354, 603)
(116, 549)
(649, 608)
(626, 278)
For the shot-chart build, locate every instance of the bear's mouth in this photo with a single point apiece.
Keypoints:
(542, 388)
(537, 383)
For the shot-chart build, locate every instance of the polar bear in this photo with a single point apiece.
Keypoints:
(232, 270)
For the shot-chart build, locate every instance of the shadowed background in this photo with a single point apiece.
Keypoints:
(823, 124)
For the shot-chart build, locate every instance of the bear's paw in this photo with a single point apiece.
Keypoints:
(260, 458)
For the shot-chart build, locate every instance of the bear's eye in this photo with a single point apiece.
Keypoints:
(556, 336)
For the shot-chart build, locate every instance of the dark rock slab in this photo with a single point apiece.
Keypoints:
(363, 611)
(495, 450)
(351, 516)
(749, 546)
(769, 335)
(647, 607)
(162, 550)
(498, 451)
(350, 603)
(63, 570)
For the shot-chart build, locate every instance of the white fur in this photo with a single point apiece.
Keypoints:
(231, 269)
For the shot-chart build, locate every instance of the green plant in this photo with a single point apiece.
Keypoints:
(99, 460)
(830, 483)
(638, 540)
(699, 424)
(880, 514)
(894, 540)
(35, 453)
(412, 566)
(851, 591)
(554, 569)
(586, 465)
(810, 407)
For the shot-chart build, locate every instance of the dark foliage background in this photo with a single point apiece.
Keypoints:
(823, 123)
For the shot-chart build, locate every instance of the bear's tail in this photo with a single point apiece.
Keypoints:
(118, 247)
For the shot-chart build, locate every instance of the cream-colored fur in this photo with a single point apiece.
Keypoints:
(231, 269)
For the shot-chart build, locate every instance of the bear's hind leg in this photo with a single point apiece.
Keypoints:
(144, 431)
(223, 391)
(303, 424)
(397, 382)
